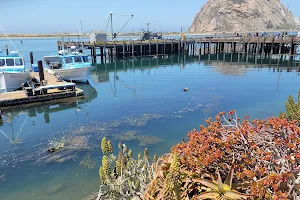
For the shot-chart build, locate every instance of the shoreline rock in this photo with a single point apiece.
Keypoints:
(244, 16)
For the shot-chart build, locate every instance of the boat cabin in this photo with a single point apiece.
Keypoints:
(11, 62)
(58, 62)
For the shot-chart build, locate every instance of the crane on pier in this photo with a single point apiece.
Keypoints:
(110, 21)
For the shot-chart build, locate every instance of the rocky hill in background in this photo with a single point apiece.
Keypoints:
(243, 16)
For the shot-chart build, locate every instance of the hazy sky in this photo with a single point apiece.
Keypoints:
(52, 16)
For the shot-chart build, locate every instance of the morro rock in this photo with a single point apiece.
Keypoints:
(243, 16)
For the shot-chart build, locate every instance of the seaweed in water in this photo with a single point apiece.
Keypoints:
(70, 150)
(212, 105)
(87, 162)
(54, 189)
(144, 140)
(141, 120)
(2, 178)
(127, 136)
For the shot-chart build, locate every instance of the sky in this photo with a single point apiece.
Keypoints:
(54, 16)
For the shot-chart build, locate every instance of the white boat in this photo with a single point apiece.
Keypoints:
(72, 67)
(12, 72)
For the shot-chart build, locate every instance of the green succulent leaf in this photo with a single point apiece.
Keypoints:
(228, 180)
(208, 184)
(208, 195)
(235, 195)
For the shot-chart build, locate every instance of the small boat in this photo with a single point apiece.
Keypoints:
(70, 67)
(12, 72)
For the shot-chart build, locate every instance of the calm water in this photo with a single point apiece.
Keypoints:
(140, 97)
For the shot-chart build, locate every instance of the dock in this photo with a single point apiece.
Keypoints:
(268, 45)
(51, 91)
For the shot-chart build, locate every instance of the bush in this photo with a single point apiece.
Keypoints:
(265, 155)
(293, 109)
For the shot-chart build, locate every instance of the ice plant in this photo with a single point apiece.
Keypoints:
(267, 153)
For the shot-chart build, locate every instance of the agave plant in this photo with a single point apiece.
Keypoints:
(216, 189)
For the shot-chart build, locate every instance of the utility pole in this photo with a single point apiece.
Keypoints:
(111, 25)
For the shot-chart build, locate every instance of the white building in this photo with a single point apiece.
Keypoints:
(98, 36)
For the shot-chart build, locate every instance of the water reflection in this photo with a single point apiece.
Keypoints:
(150, 110)
(47, 108)
(216, 60)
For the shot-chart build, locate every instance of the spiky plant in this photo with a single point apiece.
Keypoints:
(123, 176)
(167, 180)
(216, 189)
(293, 109)
(104, 146)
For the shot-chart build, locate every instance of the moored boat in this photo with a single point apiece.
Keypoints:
(70, 67)
(12, 72)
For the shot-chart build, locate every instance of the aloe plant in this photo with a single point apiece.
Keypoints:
(216, 189)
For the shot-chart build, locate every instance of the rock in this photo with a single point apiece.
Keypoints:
(57, 146)
(243, 16)
(186, 89)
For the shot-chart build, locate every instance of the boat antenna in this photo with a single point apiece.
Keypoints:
(10, 40)
(63, 41)
(69, 45)
(22, 48)
(82, 48)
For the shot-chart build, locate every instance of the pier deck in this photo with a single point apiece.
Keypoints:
(57, 91)
(133, 48)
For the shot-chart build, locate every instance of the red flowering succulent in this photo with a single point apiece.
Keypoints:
(265, 154)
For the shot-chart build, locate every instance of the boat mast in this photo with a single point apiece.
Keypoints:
(82, 48)
(111, 26)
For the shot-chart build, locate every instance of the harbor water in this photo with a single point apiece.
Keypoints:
(138, 101)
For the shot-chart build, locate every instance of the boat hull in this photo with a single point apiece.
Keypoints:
(10, 81)
(74, 75)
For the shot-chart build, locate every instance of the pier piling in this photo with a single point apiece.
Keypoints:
(41, 71)
(31, 59)
(6, 48)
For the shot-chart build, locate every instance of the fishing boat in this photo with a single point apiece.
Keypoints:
(70, 65)
(12, 72)
(73, 67)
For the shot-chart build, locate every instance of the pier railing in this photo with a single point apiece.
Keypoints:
(130, 48)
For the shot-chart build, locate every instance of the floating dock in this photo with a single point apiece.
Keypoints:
(51, 91)
(133, 48)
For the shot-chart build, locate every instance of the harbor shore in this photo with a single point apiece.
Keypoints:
(85, 35)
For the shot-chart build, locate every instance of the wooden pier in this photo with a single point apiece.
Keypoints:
(193, 46)
(51, 91)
